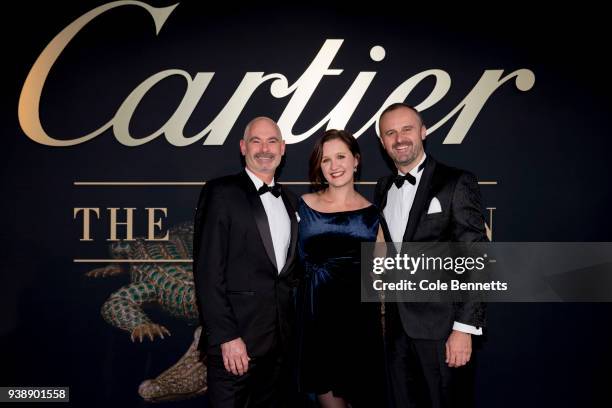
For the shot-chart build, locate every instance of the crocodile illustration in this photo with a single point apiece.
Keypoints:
(167, 285)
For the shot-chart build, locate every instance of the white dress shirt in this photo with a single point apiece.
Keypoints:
(399, 203)
(278, 219)
(397, 211)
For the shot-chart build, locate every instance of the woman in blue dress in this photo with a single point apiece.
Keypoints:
(339, 338)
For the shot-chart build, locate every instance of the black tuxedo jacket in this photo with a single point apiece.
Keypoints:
(238, 288)
(461, 220)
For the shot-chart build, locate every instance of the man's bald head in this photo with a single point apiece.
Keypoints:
(260, 119)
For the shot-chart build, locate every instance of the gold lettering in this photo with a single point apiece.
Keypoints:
(152, 224)
(29, 100)
(473, 103)
(86, 216)
(129, 223)
(489, 226)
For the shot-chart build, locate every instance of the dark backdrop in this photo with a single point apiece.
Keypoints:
(547, 149)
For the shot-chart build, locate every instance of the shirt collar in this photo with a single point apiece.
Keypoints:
(256, 180)
(415, 169)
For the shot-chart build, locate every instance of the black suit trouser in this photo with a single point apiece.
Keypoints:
(419, 376)
(263, 385)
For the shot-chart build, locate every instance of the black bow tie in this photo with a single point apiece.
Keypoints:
(399, 180)
(275, 190)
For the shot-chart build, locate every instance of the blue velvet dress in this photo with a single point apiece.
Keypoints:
(339, 339)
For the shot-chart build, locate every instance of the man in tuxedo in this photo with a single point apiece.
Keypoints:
(244, 251)
(428, 344)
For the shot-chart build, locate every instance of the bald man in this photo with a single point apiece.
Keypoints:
(244, 252)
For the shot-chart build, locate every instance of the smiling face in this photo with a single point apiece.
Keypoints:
(402, 134)
(262, 147)
(338, 163)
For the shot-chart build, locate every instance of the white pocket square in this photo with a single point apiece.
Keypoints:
(297, 216)
(434, 206)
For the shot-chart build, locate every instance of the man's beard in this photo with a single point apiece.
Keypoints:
(412, 156)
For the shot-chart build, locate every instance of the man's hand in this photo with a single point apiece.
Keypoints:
(458, 348)
(235, 358)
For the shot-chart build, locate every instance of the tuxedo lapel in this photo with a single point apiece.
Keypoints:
(420, 199)
(294, 230)
(387, 182)
(261, 219)
(386, 185)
